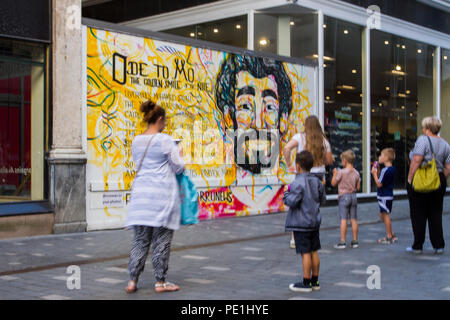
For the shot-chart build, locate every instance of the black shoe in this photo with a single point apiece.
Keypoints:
(300, 287)
(315, 286)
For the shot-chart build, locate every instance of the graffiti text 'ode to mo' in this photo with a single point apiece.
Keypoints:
(124, 68)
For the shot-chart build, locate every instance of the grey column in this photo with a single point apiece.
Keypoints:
(67, 159)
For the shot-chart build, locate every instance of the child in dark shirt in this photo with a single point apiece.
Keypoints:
(385, 192)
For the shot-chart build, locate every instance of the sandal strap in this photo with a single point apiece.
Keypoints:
(164, 285)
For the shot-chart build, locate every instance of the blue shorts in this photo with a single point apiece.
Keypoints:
(385, 204)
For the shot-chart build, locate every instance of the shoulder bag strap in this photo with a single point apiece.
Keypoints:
(431, 147)
(145, 153)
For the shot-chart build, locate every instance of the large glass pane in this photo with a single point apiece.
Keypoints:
(21, 122)
(232, 32)
(445, 95)
(289, 35)
(343, 98)
(401, 96)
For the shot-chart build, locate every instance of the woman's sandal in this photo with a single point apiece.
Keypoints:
(386, 240)
(131, 287)
(166, 287)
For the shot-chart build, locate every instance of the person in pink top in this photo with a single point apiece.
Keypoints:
(349, 182)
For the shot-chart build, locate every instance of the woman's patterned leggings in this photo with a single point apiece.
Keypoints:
(160, 239)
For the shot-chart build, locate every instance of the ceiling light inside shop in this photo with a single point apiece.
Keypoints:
(215, 30)
(403, 46)
(345, 31)
(373, 110)
(387, 88)
(419, 51)
(398, 67)
(199, 33)
(360, 113)
(398, 73)
(380, 104)
(361, 95)
(354, 71)
(339, 92)
(263, 42)
(346, 87)
(192, 34)
(411, 114)
(445, 57)
(403, 107)
(238, 26)
(386, 42)
(316, 56)
(401, 95)
(327, 97)
(292, 23)
(398, 46)
(324, 26)
(408, 91)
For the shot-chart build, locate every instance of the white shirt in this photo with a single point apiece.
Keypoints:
(301, 139)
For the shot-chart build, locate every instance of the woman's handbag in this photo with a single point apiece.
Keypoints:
(189, 203)
(426, 179)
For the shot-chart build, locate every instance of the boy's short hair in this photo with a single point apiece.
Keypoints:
(305, 159)
(390, 153)
(349, 156)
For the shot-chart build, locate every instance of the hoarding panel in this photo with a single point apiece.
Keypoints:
(233, 113)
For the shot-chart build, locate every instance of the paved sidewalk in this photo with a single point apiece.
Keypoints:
(236, 258)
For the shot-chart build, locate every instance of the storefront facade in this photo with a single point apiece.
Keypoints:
(378, 76)
(24, 110)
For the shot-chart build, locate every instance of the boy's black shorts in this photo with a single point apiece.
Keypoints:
(306, 242)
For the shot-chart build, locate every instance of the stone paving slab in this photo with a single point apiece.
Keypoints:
(224, 270)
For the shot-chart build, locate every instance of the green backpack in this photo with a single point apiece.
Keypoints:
(426, 179)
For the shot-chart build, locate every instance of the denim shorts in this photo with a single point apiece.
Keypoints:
(347, 206)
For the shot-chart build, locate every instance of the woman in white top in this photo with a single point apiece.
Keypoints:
(313, 140)
(154, 208)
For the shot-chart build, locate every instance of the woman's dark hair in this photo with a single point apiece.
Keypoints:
(152, 112)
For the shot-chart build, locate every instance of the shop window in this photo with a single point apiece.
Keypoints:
(288, 35)
(343, 92)
(401, 96)
(445, 94)
(21, 121)
(231, 32)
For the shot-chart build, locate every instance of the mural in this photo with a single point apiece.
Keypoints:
(233, 113)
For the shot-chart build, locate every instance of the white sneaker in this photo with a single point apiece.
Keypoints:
(410, 249)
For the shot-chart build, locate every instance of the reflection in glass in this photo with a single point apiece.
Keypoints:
(342, 95)
(21, 129)
(231, 32)
(445, 95)
(401, 96)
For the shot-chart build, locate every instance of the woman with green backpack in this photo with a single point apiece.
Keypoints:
(427, 183)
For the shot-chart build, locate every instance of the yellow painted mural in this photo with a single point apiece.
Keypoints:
(233, 113)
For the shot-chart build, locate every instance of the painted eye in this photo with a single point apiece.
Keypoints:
(271, 107)
(245, 106)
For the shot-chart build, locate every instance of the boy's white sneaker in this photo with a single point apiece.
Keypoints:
(300, 287)
(340, 245)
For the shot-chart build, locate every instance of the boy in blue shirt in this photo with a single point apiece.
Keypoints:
(385, 192)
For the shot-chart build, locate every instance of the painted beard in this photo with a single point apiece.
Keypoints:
(255, 150)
